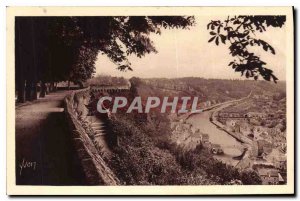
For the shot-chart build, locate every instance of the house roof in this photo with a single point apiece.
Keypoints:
(268, 172)
(205, 135)
(280, 177)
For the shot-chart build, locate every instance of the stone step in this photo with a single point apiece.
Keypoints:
(99, 134)
(98, 123)
(92, 118)
(98, 127)
(99, 130)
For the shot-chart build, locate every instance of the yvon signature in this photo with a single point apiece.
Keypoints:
(27, 165)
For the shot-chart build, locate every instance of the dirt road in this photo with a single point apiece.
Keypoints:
(44, 153)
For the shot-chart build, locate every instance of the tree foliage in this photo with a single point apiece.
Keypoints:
(52, 49)
(116, 37)
(239, 32)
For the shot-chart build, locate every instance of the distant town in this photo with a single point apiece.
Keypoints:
(259, 121)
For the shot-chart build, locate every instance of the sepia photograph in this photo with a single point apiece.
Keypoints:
(156, 100)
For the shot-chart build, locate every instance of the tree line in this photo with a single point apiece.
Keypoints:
(53, 49)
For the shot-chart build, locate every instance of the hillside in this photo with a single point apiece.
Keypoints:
(209, 89)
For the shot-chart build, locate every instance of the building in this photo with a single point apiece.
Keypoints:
(244, 128)
(237, 116)
(269, 176)
(244, 164)
(216, 149)
(256, 115)
(257, 130)
(274, 131)
(204, 138)
(196, 137)
(231, 123)
(281, 163)
(263, 148)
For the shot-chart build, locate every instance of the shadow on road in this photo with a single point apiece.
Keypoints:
(45, 155)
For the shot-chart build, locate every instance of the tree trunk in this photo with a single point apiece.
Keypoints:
(28, 91)
(34, 94)
(21, 92)
(20, 60)
(31, 91)
(33, 66)
(43, 90)
(52, 89)
(47, 88)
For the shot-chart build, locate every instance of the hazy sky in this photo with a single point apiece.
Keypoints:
(183, 53)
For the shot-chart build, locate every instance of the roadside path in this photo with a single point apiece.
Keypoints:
(44, 154)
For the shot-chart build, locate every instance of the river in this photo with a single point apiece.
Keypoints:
(229, 144)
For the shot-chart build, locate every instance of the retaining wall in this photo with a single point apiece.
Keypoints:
(95, 169)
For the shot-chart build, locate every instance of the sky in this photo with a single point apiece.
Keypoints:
(185, 53)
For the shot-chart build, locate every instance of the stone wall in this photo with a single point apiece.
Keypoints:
(96, 170)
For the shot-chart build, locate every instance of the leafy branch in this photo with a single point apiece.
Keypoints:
(240, 31)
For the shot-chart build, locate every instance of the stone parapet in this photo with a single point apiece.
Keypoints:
(96, 170)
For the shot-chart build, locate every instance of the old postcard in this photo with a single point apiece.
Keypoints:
(150, 100)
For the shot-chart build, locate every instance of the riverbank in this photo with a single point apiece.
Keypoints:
(219, 125)
(232, 144)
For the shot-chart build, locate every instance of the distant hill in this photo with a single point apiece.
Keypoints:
(208, 89)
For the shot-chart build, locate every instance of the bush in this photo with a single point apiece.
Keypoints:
(137, 161)
(140, 160)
